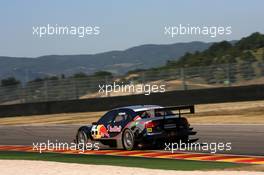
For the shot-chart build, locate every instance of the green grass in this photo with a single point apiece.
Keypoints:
(118, 161)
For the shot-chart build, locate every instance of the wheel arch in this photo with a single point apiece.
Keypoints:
(85, 129)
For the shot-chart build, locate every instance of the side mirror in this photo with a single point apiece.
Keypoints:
(94, 123)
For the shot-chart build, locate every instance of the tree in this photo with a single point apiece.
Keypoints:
(247, 56)
(62, 76)
(36, 80)
(219, 49)
(80, 75)
(52, 78)
(103, 74)
(10, 89)
(254, 41)
(9, 81)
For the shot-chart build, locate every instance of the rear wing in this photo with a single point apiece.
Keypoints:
(182, 109)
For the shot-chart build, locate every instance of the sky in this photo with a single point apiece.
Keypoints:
(123, 24)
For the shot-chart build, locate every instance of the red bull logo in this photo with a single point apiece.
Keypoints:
(99, 131)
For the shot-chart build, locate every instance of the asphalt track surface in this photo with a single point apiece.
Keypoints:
(245, 139)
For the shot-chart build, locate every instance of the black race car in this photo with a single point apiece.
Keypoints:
(138, 126)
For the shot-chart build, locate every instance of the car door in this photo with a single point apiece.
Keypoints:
(121, 119)
(99, 130)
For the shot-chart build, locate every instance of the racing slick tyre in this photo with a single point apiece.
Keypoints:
(128, 140)
(82, 139)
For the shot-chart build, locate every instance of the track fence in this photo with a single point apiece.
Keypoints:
(222, 75)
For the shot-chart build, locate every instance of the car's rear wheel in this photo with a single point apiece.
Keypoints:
(128, 139)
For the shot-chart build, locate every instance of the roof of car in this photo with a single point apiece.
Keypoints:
(137, 108)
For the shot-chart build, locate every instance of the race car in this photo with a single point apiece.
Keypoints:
(138, 126)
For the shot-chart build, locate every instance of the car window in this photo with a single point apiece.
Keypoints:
(146, 114)
(152, 113)
(163, 113)
(107, 118)
(122, 117)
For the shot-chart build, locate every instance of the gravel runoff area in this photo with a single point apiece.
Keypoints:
(16, 167)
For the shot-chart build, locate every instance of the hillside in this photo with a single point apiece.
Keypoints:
(144, 56)
(222, 64)
(248, 49)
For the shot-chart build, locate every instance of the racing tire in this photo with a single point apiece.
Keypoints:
(128, 140)
(82, 139)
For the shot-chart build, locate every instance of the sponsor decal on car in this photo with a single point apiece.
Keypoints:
(99, 131)
(114, 128)
(149, 129)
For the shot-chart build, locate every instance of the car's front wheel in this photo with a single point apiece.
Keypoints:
(128, 139)
(81, 139)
